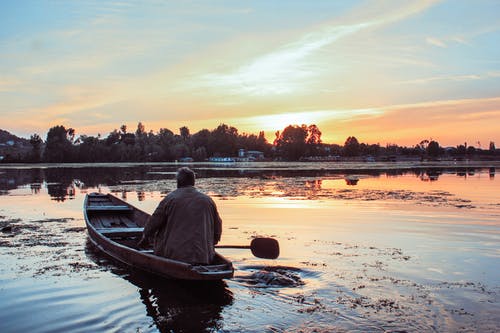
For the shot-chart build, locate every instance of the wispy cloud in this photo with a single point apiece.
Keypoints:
(460, 40)
(282, 71)
(448, 78)
(9, 84)
(435, 42)
(290, 68)
(464, 38)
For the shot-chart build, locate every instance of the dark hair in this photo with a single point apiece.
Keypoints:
(185, 177)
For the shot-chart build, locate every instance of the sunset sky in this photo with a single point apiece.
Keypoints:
(383, 71)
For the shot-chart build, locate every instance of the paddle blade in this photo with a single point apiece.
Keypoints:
(267, 248)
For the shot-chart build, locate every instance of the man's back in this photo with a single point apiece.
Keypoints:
(187, 226)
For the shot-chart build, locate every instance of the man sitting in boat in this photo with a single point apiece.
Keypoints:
(186, 225)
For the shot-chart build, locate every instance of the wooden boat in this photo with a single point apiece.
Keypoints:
(115, 227)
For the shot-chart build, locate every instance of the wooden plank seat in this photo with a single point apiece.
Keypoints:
(121, 232)
(113, 208)
(97, 195)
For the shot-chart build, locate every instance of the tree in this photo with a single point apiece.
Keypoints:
(71, 135)
(200, 154)
(59, 146)
(201, 138)
(180, 150)
(373, 149)
(113, 138)
(423, 145)
(223, 141)
(128, 139)
(313, 135)
(140, 141)
(89, 149)
(36, 144)
(184, 132)
(351, 147)
(461, 149)
(433, 149)
(471, 150)
(291, 143)
(140, 131)
(313, 141)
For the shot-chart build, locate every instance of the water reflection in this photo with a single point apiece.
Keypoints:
(430, 175)
(174, 306)
(403, 262)
(61, 191)
(351, 180)
(313, 184)
(35, 188)
(62, 182)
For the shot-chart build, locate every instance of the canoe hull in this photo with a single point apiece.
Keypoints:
(114, 227)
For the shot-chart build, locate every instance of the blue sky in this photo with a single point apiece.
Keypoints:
(383, 71)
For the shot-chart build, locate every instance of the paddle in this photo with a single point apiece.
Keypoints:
(267, 248)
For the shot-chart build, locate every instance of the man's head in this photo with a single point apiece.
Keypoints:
(185, 177)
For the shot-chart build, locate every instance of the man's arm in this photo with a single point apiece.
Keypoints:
(217, 225)
(154, 223)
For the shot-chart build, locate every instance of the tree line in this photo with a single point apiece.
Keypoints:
(295, 142)
(121, 145)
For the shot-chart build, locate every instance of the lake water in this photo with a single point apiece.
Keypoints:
(364, 247)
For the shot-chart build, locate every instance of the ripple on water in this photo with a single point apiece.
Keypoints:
(272, 276)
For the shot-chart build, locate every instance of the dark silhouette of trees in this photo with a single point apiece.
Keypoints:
(254, 142)
(372, 150)
(36, 144)
(423, 144)
(59, 145)
(141, 130)
(433, 149)
(223, 141)
(313, 135)
(293, 143)
(296, 142)
(165, 140)
(351, 147)
(128, 138)
(91, 148)
(184, 132)
(199, 143)
(313, 141)
(141, 138)
(461, 149)
(114, 137)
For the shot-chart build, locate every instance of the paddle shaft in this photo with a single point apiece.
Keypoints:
(233, 246)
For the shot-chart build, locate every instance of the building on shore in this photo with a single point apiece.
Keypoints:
(250, 155)
(222, 159)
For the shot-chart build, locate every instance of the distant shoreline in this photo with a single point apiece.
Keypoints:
(280, 165)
